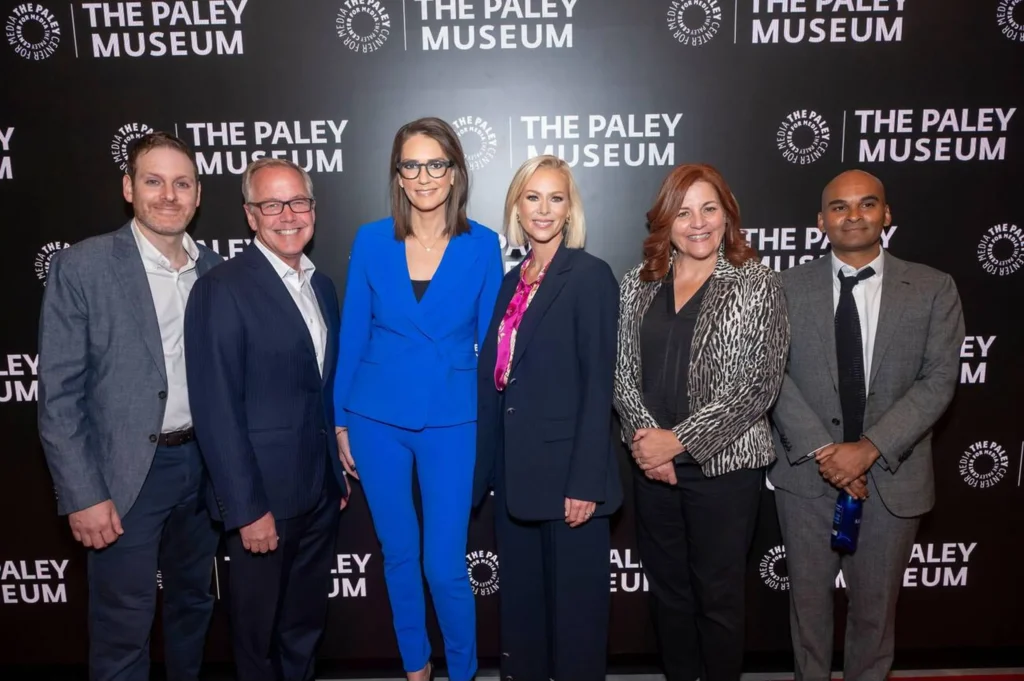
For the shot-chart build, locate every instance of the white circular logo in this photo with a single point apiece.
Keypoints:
(694, 22)
(364, 27)
(984, 464)
(1011, 24)
(803, 137)
(125, 135)
(772, 569)
(481, 146)
(44, 256)
(483, 572)
(1001, 249)
(33, 31)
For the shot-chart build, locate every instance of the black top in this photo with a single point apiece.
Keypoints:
(419, 287)
(665, 340)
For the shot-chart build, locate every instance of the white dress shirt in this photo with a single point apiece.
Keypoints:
(170, 289)
(867, 295)
(300, 287)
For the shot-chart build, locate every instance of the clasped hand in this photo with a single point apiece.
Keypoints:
(845, 465)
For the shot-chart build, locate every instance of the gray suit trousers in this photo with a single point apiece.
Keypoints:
(873, 575)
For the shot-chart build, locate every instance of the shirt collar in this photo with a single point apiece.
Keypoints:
(282, 268)
(839, 266)
(152, 254)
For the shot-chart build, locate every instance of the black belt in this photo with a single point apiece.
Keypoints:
(177, 438)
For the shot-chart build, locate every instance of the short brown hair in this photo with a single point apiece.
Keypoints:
(456, 222)
(156, 140)
(660, 218)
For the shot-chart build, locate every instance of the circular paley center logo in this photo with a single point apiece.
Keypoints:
(483, 572)
(363, 27)
(803, 137)
(33, 31)
(481, 145)
(984, 464)
(773, 569)
(1010, 15)
(44, 256)
(694, 22)
(1001, 249)
(125, 135)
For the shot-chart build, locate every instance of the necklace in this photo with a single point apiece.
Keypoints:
(429, 248)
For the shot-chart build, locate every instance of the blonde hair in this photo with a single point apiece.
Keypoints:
(574, 232)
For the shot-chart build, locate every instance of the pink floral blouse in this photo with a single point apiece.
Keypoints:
(509, 326)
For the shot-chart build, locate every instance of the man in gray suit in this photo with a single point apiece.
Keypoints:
(115, 423)
(872, 366)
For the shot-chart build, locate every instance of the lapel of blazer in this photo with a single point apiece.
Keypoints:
(896, 290)
(713, 306)
(645, 295)
(131, 274)
(268, 279)
(320, 285)
(205, 263)
(822, 310)
(446, 284)
(554, 281)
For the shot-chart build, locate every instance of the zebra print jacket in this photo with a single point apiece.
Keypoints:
(737, 361)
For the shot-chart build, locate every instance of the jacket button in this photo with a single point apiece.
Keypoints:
(835, 422)
(162, 394)
(512, 381)
(510, 411)
(153, 438)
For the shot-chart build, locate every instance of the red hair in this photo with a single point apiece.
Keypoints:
(660, 218)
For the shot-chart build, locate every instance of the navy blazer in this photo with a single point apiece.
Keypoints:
(406, 363)
(262, 412)
(553, 421)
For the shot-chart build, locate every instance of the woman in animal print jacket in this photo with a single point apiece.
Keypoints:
(702, 345)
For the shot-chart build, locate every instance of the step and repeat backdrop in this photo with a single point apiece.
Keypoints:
(780, 95)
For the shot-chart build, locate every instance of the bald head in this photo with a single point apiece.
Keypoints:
(853, 182)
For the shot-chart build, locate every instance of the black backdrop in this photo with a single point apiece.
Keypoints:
(781, 95)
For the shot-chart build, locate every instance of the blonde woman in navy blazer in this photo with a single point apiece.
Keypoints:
(421, 289)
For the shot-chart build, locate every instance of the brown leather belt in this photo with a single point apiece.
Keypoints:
(177, 437)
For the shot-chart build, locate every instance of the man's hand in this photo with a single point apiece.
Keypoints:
(345, 453)
(665, 473)
(260, 536)
(654, 446)
(578, 512)
(96, 527)
(843, 463)
(858, 489)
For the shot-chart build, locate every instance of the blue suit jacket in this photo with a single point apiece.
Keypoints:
(552, 425)
(406, 363)
(263, 414)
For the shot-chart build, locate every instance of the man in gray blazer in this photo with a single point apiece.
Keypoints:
(115, 423)
(872, 366)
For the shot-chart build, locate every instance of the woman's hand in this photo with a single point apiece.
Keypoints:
(578, 512)
(345, 452)
(653, 447)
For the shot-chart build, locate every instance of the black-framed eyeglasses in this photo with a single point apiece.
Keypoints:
(302, 205)
(410, 170)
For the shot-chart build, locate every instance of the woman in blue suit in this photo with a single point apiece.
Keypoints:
(420, 292)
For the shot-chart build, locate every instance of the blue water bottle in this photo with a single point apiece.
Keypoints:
(846, 523)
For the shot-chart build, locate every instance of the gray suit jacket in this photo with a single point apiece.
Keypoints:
(102, 378)
(914, 369)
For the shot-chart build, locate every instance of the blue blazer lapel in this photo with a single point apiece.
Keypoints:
(268, 280)
(324, 299)
(554, 281)
(131, 274)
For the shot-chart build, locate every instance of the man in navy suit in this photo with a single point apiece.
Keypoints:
(116, 424)
(261, 340)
